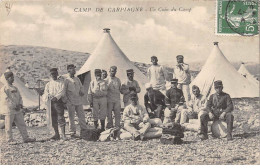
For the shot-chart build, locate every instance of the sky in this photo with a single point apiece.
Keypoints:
(59, 24)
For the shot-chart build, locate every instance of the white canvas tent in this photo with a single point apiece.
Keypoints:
(106, 54)
(243, 71)
(217, 67)
(30, 97)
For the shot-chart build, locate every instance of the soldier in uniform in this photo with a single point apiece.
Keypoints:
(157, 75)
(12, 105)
(174, 101)
(154, 102)
(113, 98)
(182, 73)
(104, 74)
(219, 107)
(130, 85)
(195, 107)
(136, 119)
(97, 97)
(53, 93)
(73, 98)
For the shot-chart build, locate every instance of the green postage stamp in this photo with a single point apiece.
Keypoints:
(237, 17)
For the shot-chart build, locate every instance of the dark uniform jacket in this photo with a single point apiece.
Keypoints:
(154, 99)
(174, 96)
(217, 104)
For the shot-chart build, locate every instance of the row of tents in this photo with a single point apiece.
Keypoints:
(107, 53)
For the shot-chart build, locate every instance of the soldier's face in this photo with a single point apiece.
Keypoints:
(154, 61)
(112, 72)
(196, 91)
(134, 101)
(174, 85)
(54, 75)
(219, 89)
(71, 71)
(180, 60)
(10, 79)
(104, 75)
(98, 76)
(130, 76)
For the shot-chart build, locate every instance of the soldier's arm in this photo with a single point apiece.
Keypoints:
(138, 89)
(6, 98)
(90, 93)
(45, 96)
(182, 99)
(124, 89)
(168, 98)
(230, 106)
(20, 98)
(61, 91)
(146, 101)
(126, 116)
(209, 104)
(145, 114)
(149, 73)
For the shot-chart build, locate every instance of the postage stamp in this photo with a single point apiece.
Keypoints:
(237, 17)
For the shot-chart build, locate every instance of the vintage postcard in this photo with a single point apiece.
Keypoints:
(129, 82)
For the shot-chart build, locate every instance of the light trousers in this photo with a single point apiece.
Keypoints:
(186, 91)
(99, 108)
(116, 107)
(18, 119)
(137, 128)
(190, 114)
(81, 117)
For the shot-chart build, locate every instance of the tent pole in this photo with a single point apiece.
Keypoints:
(39, 86)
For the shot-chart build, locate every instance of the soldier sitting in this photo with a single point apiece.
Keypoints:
(219, 107)
(136, 119)
(195, 107)
(174, 102)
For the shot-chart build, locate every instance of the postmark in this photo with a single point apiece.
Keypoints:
(237, 17)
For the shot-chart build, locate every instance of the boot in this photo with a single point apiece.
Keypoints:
(229, 137)
(63, 136)
(56, 135)
(102, 125)
(96, 124)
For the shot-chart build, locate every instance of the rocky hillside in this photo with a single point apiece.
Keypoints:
(31, 63)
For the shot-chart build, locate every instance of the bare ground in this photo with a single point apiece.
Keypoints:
(244, 149)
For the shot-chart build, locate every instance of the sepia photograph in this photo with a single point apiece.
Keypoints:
(129, 82)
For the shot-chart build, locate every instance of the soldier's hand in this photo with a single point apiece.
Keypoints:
(54, 99)
(132, 89)
(222, 116)
(81, 93)
(17, 108)
(211, 116)
(91, 104)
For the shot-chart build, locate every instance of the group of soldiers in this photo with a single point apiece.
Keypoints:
(174, 105)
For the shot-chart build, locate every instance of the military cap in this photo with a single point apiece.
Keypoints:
(133, 95)
(98, 71)
(53, 70)
(129, 71)
(218, 83)
(113, 67)
(179, 56)
(174, 81)
(195, 87)
(71, 66)
(8, 74)
(153, 57)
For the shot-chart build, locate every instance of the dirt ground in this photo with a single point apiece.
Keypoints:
(244, 149)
